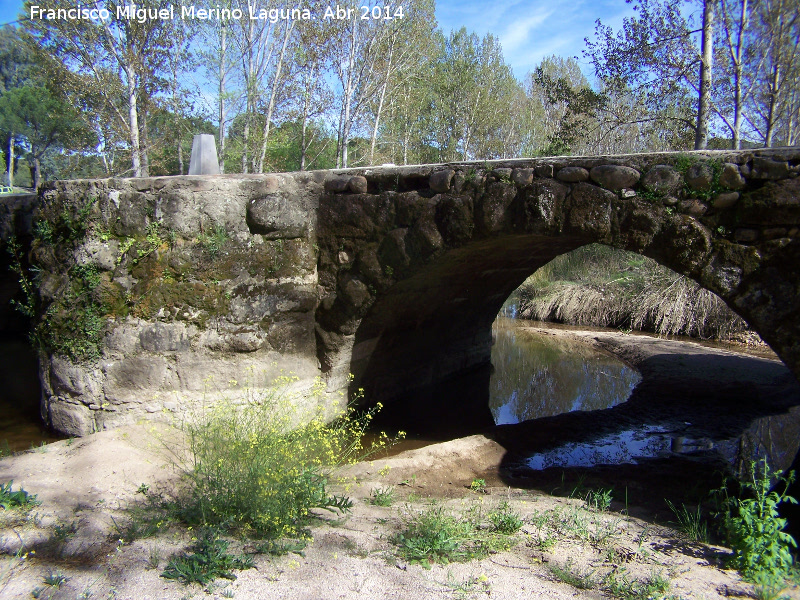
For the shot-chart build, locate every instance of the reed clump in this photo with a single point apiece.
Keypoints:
(601, 286)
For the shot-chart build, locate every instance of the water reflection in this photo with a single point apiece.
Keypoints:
(775, 438)
(536, 375)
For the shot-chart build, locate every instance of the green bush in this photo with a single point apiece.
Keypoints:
(258, 468)
(209, 560)
(761, 549)
(19, 499)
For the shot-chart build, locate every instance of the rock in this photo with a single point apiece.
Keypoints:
(134, 378)
(502, 173)
(544, 170)
(590, 209)
(693, 207)
(357, 184)
(337, 184)
(627, 193)
(572, 174)
(454, 220)
(774, 233)
(766, 168)
(699, 176)
(730, 177)
(670, 201)
(277, 215)
(745, 235)
(164, 337)
(69, 418)
(355, 292)
(723, 201)
(522, 177)
(662, 179)
(440, 181)
(614, 177)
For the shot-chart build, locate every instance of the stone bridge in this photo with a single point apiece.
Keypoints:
(155, 292)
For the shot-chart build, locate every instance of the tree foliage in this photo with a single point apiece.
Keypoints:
(293, 92)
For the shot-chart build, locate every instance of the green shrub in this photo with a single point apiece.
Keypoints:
(19, 499)
(260, 467)
(436, 536)
(504, 520)
(761, 549)
(209, 560)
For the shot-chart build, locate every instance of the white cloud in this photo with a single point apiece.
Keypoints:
(520, 32)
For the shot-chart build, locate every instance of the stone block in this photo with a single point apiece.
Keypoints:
(614, 177)
(440, 181)
(69, 418)
(278, 216)
(357, 184)
(662, 179)
(726, 200)
(522, 177)
(699, 176)
(730, 177)
(572, 174)
(767, 168)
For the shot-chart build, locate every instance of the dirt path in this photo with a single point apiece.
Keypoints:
(86, 485)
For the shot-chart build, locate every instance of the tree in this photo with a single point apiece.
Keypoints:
(775, 61)
(43, 120)
(16, 62)
(125, 53)
(655, 60)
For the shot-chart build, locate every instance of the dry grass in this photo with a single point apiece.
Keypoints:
(598, 285)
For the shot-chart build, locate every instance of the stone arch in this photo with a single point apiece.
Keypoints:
(416, 262)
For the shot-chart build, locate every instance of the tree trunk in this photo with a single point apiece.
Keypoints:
(37, 174)
(273, 94)
(737, 75)
(180, 158)
(133, 122)
(221, 116)
(10, 160)
(143, 149)
(706, 62)
(377, 121)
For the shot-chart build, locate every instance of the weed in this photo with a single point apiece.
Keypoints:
(599, 500)
(618, 584)
(260, 468)
(214, 242)
(547, 543)
(54, 579)
(761, 549)
(382, 496)
(470, 586)
(478, 485)
(154, 560)
(209, 560)
(691, 524)
(436, 536)
(505, 520)
(572, 576)
(63, 532)
(19, 499)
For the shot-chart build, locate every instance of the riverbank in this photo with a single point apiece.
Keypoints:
(88, 486)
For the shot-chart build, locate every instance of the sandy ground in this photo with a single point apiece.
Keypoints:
(86, 487)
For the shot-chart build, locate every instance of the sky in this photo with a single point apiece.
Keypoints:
(529, 30)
